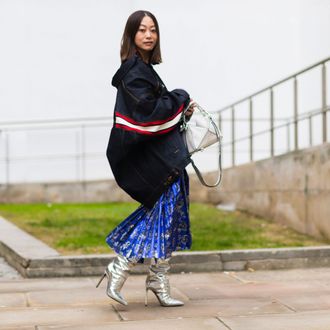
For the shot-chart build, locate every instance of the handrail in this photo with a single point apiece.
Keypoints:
(246, 98)
(54, 121)
(232, 113)
(302, 117)
(55, 126)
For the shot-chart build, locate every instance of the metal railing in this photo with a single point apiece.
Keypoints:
(47, 132)
(80, 134)
(293, 120)
(77, 128)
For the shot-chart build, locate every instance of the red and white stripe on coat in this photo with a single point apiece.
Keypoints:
(149, 128)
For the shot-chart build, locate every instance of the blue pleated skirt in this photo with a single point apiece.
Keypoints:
(156, 232)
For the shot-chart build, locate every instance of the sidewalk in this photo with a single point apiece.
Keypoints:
(276, 300)
(288, 299)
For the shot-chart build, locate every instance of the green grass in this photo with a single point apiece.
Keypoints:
(82, 228)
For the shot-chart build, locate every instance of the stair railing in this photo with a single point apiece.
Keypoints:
(232, 118)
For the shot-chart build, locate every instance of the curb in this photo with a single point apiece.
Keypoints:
(33, 259)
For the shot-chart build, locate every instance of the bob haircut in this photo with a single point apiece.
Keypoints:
(128, 47)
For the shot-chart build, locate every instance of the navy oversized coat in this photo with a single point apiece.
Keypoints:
(146, 151)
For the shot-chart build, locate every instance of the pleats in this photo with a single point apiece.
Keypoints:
(159, 231)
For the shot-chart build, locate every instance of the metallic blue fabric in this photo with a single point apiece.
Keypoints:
(156, 232)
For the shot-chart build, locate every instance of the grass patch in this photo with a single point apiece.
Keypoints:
(82, 228)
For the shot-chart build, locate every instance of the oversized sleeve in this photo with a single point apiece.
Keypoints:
(152, 109)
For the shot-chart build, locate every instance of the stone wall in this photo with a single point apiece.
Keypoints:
(79, 192)
(65, 192)
(293, 189)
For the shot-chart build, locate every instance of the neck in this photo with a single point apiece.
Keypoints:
(144, 55)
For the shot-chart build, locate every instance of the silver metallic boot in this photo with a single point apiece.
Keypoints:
(117, 272)
(157, 281)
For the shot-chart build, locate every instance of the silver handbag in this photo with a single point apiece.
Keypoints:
(200, 132)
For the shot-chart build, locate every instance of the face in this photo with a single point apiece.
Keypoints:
(146, 36)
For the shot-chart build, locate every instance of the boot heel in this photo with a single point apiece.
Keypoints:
(146, 298)
(101, 279)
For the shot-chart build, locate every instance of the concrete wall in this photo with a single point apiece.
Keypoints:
(65, 192)
(293, 189)
(79, 192)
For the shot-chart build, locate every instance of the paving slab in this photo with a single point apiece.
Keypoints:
(177, 324)
(31, 285)
(202, 308)
(216, 278)
(253, 307)
(73, 297)
(319, 276)
(308, 301)
(239, 290)
(319, 320)
(223, 300)
(87, 315)
(29, 327)
(12, 300)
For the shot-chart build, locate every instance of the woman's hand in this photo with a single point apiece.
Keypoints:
(191, 107)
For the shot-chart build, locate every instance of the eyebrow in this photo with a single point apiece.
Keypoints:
(152, 26)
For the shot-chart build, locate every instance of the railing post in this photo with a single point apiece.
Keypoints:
(324, 103)
(233, 136)
(220, 122)
(251, 128)
(7, 159)
(310, 126)
(271, 123)
(83, 153)
(77, 156)
(288, 138)
(295, 123)
(220, 128)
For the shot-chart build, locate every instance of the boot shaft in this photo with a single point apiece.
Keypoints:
(157, 281)
(157, 277)
(159, 266)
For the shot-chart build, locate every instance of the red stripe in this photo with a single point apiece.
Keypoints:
(127, 128)
(151, 123)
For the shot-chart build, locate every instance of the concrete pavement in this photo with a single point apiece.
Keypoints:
(264, 299)
(261, 298)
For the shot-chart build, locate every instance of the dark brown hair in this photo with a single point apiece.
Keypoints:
(128, 47)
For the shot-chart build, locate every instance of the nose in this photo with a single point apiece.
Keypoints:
(148, 34)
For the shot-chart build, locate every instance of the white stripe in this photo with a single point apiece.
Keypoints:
(152, 129)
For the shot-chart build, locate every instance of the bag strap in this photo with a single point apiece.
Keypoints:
(201, 179)
(219, 135)
(200, 176)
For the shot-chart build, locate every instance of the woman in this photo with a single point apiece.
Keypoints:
(148, 159)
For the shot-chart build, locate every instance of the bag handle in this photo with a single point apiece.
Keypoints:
(219, 135)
